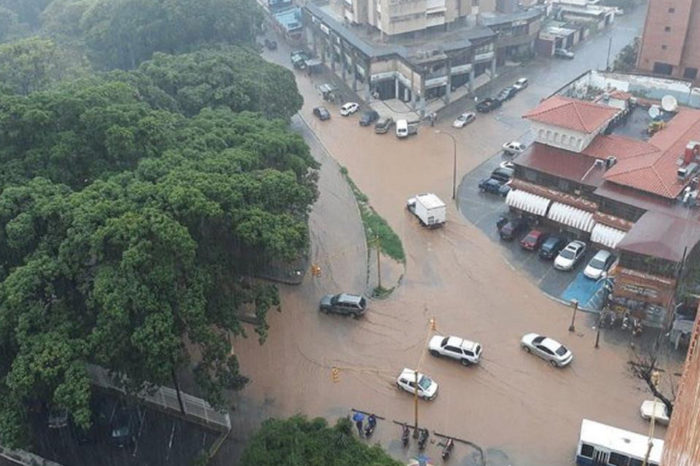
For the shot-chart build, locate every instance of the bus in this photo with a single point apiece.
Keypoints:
(603, 445)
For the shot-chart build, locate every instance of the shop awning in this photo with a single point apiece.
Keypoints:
(607, 236)
(528, 202)
(571, 216)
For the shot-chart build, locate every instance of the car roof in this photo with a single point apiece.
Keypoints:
(576, 244)
(461, 343)
(406, 372)
(602, 254)
(551, 344)
(521, 80)
(535, 233)
(350, 298)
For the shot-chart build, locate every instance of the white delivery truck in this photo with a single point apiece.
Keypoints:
(429, 209)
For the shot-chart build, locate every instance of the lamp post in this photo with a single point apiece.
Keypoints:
(431, 329)
(574, 303)
(454, 161)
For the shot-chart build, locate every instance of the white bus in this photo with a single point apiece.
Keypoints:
(603, 445)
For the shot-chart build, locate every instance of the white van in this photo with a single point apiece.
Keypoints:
(401, 128)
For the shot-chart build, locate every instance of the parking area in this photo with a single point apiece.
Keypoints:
(154, 438)
(485, 209)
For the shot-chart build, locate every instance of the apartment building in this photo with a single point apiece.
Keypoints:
(669, 45)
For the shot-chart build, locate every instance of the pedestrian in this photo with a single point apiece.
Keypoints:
(358, 417)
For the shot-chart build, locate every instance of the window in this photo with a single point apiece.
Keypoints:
(671, 10)
(586, 450)
(663, 68)
(618, 459)
(667, 29)
(663, 47)
(690, 73)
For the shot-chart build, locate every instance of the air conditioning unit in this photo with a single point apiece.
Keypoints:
(686, 171)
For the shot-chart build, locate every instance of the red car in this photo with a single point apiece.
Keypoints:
(533, 240)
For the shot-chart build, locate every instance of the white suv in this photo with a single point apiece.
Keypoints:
(349, 108)
(465, 351)
(427, 388)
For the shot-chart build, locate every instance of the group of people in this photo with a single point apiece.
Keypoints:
(359, 418)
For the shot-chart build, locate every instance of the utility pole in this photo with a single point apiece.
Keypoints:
(454, 161)
(650, 443)
(379, 264)
(431, 329)
(574, 303)
(607, 60)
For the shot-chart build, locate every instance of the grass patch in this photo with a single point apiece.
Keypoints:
(375, 226)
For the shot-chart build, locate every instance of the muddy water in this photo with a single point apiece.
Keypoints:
(515, 406)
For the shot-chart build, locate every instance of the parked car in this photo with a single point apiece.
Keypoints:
(349, 108)
(464, 119)
(368, 117)
(503, 173)
(404, 129)
(514, 147)
(427, 388)
(546, 348)
(271, 44)
(494, 186)
(658, 409)
(344, 303)
(564, 53)
(299, 58)
(513, 228)
(488, 104)
(506, 94)
(465, 351)
(124, 427)
(551, 247)
(600, 264)
(383, 125)
(58, 418)
(533, 240)
(322, 113)
(507, 164)
(570, 255)
(520, 84)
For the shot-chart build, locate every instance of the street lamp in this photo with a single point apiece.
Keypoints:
(574, 304)
(454, 161)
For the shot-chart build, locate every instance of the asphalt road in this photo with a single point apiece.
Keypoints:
(517, 408)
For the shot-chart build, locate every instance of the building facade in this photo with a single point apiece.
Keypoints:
(669, 45)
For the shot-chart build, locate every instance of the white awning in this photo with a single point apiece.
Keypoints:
(571, 216)
(528, 202)
(607, 236)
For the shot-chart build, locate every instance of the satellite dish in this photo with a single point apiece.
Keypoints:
(669, 103)
(654, 112)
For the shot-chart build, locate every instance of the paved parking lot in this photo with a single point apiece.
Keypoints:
(484, 209)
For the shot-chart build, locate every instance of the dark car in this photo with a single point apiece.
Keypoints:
(271, 44)
(124, 427)
(487, 105)
(551, 247)
(494, 186)
(368, 117)
(513, 229)
(383, 125)
(533, 240)
(322, 113)
(502, 173)
(344, 303)
(506, 94)
(299, 58)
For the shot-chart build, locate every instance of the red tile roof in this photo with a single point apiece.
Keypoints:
(578, 115)
(650, 166)
(561, 163)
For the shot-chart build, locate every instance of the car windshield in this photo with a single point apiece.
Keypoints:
(425, 382)
(568, 254)
(530, 238)
(597, 263)
(561, 351)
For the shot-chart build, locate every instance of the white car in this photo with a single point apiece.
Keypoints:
(464, 119)
(427, 388)
(520, 84)
(570, 255)
(465, 351)
(514, 147)
(599, 265)
(349, 108)
(546, 348)
(659, 409)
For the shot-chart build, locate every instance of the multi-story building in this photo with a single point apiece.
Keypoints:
(669, 45)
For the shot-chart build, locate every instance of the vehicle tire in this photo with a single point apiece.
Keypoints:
(324, 310)
(527, 350)
(356, 315)
(434, 353)
(554, 363)
(465, 362)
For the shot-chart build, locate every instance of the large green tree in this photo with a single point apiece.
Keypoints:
(299, 442)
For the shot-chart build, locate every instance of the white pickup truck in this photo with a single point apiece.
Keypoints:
(429, 209)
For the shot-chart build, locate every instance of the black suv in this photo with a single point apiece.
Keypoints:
(513, 228)
(551, 247)
(369, 117)
(322, 113)
(344, 303)
(488, 104)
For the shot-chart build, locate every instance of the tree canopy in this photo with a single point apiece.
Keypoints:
(297, 441)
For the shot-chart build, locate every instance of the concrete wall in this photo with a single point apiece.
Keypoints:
(560, 137)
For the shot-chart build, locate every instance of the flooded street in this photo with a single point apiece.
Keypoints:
(519, 409)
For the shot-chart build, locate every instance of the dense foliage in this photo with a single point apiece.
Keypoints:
(300, 442)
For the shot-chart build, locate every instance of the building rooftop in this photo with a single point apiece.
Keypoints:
(561, 163)
(660, 235)
(495, 19)
(574, 114)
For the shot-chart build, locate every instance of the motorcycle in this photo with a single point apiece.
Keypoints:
(371, 424)
(405, 434)
(626, 321)
(447, 448)
(423, 438)
(636, 328)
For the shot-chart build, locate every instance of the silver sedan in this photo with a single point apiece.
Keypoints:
(546, 348)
